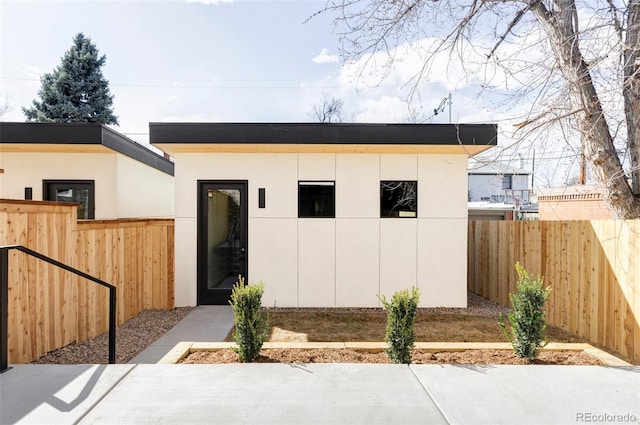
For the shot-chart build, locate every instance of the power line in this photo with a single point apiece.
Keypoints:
(299, 84)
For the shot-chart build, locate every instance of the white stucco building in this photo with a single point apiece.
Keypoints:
(109, 175)
(498, 182)
(326, 215)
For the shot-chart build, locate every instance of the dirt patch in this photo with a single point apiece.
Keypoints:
(369, 326)
(484, 357)
(476, 323)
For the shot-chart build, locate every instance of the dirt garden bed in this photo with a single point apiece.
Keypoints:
(291, 329)
(345, 355)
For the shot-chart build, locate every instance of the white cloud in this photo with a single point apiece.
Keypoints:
(208, 2)
(385, 109)
(325, 57)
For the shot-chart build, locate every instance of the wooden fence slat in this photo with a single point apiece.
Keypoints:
(592, 266)
(49, 307)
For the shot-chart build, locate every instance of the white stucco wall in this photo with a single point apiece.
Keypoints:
(29, 169)
(346, 261)
(124, 187)
(142, 191)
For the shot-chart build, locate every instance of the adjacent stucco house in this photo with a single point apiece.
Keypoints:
(496, 181)
(327, 215)
(109, 175)
(499, 191)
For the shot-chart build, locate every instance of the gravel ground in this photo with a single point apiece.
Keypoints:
(132, 337)
(136, 334)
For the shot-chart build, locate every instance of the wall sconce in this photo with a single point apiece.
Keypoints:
(261, 197)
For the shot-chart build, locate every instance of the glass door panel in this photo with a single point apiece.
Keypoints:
(223, 223)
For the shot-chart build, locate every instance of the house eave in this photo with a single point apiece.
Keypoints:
(76, 138)
(174, 149)
(469, 139)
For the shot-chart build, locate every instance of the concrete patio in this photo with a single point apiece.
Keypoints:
(318, 394)
(142, 393)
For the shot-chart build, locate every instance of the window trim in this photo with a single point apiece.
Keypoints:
(399, 216)
(48, 185)
(327, 183)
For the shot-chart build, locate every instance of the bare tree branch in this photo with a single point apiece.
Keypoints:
(575, 62)
(329, 109)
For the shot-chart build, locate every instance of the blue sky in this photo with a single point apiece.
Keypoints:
(235, 61)
(226, 61)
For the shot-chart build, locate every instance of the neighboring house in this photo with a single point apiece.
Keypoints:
(498, 191)
(327, 215)
(107, 174)
(583, 202)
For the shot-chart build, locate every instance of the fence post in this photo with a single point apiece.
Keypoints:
(4, 309)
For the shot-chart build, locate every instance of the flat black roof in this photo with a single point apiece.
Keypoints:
(82, 134)
(324, 133)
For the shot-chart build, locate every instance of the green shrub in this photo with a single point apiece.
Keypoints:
(250, 319)
(401, 320)
(527, 318)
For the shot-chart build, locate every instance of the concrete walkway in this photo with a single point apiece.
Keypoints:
(203, 323)
(311, 393)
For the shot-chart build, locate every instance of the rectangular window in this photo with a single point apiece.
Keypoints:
(398, 199)
(316, 199)
(507, 182)
(79, 191)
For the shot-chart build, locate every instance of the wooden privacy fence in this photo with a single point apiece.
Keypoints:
(50, 308)
(593, 268)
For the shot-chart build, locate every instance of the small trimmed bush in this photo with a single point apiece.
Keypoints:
(527, 319)
(401, 320)
(250, 319)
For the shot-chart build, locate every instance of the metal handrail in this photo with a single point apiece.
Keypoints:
(4, 300)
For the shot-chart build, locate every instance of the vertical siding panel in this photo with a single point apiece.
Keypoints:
(128, 255)
(470, 260)
(162, 287)
(49, 307)
(634, 287)
(584, 319)
(171, 277)
(155, 258)
(148, 269)
(140, 267)
(575, 246)
(594, 284)
(592, 266)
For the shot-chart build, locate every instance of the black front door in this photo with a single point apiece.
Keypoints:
(222, 239)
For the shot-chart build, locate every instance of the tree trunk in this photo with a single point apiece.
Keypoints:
(631, 91)
(592, 124)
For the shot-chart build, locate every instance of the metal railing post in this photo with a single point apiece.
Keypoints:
(4, 300)
(112, 325)
(4, 309)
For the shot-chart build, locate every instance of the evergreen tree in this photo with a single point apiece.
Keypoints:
(76, 91)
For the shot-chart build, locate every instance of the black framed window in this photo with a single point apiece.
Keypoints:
(316, 199)
(79, 191)
(398, 199)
